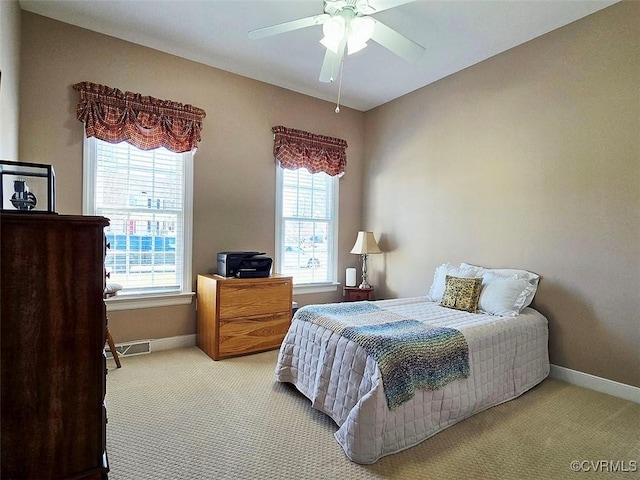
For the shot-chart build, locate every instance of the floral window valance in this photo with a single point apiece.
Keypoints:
(143, 121)
(317, 153)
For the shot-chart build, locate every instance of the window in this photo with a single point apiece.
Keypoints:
(147, 197)
(306, 228)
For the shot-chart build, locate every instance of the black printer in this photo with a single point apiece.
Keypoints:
(243, 264)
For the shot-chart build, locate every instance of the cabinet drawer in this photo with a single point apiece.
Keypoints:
(357, 296)
(252, 334)
(243, 299)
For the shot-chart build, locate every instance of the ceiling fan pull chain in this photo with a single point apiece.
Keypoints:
(337, 110)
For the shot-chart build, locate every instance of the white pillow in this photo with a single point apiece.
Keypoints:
(439, 278)
(502, 296)
(526, 295)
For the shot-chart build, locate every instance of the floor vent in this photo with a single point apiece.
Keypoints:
(132, 348)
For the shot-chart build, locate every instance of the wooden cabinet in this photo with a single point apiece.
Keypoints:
(52, 351)
(237, 316)
(355, 294)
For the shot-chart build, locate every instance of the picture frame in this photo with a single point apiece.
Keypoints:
(27, 187)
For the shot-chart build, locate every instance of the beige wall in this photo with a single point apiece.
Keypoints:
(9, 80)
(530, 159)
(234, 167)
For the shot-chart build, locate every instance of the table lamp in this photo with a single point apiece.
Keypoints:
(365, 245)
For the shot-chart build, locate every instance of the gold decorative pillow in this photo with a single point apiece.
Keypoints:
(462, 293)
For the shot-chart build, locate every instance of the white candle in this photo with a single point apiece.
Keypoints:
(351, 277)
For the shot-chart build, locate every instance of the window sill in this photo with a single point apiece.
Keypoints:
(132, 302)
(315, 288)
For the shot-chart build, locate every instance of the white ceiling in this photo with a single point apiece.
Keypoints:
(455, 33)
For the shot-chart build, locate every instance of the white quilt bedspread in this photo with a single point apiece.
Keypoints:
(507, 356)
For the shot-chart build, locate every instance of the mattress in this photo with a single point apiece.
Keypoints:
(507, 357)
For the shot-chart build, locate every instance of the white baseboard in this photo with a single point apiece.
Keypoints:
(168, 343)
(599, 384)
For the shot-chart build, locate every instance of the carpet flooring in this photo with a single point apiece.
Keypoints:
(178, 415)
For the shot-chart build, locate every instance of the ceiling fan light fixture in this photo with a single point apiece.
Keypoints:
(362, 27)
(331, 44)
(354, 44)
(360, 32)
(334, 30)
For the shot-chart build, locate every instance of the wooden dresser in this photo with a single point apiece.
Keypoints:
(53, 336)
(238, 316)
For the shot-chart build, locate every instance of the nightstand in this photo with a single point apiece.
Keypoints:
(354, 294)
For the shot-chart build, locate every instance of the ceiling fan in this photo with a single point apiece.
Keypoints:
(346, 25)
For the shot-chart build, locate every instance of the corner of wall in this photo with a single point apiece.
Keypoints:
(9, 78)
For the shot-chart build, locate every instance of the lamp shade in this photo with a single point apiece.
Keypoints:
(365, 244)
(334, 30)
(361, 31)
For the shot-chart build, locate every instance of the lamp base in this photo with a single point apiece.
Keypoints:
(364, 283)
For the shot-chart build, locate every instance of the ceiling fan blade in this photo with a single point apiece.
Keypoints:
(380, 5)
(288, 26)
(397, 43)
(331, 64)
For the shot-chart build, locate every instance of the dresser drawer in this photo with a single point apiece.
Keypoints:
(244, 299)
(355, 294)
(252, 334)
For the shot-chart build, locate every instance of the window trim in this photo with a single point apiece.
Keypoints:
(317, 287)
(147, 300)
(132, 302)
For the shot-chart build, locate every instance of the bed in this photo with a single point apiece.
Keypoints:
(506, 356)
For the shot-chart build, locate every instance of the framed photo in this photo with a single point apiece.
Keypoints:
(27, 187)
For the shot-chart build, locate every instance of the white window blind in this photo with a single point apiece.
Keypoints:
(306, 226)
(146, 196)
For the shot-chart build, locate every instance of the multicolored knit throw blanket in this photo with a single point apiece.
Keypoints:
(410, 355)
